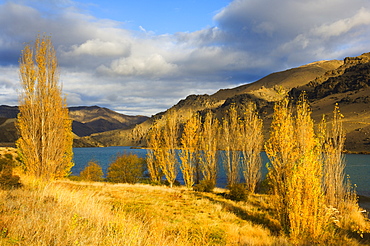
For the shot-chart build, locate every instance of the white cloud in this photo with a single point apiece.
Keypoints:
(152, 66)
(103, 63)
(343, 26)
(97, 47)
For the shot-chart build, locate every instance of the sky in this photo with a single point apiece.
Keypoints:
(141, 57)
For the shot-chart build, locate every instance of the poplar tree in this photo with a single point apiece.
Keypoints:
(251, 147)
(339, 193)
(208, 139)
(189, 148)
(281, 149)
(307, 213)
(44, 126)
(231, 145)
(296, 172)
(170, 134)
(155, 153)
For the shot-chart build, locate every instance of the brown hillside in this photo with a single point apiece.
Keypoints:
(344, 82)
(266, 87)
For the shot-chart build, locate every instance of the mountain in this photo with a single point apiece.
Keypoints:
(89, 120)
(344, 82)
(86, 121)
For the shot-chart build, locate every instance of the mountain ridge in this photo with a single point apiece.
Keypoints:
(327, 83)
(344, 82)
(87, 120)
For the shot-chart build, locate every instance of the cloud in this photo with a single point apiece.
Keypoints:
(97, 47)
(288, 33)
(103, 63)
(343, 26)
(152, 66)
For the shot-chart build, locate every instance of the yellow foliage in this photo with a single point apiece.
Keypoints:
(189, 149)
(45, 128)
(92, 172)
(251, 147)
(208, 142)
(295, 172)
(231, 145)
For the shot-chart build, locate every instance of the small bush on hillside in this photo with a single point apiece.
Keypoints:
(127, 168)
(7, 179)
(204, 186)
(92, 172)
(238, 192)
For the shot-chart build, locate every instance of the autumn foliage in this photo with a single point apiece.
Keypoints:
(92, 172)
(126, 168)
(44, 126)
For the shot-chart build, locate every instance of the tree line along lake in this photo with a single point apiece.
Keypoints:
(357, 165)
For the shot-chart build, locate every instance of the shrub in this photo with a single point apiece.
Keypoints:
(92, 172)
(127, 168)
(204, 186)
(7, 179)
(238, 192)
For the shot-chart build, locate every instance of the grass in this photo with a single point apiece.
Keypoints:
(95, 213)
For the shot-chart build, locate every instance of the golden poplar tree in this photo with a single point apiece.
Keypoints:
(208, 139)
(333, 159)
(231, 145)
(170, 135)
(251, 147)
(155, 153)
(296, 172)
(281, 149)
(306, 198)
(44, 125)
(189, 148)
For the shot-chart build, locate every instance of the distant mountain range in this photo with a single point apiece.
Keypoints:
(346, 82)
(87, 120)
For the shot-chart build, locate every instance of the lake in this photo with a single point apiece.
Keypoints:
(358, 166)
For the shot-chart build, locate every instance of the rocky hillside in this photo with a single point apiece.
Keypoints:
(86, 121)
(346, 82)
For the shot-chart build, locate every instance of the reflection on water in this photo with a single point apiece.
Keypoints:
(358, 166)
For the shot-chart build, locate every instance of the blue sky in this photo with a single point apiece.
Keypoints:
(160, 17)
(142, 57)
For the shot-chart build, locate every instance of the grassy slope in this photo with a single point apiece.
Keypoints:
(72, 213)
(79, 213)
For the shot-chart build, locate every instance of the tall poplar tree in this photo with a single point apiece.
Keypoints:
(188, 151)
(44, 125)
(208, 139)
(251, 146)
(170, 134)
(296, 172)
(231, 145)
(155, 152)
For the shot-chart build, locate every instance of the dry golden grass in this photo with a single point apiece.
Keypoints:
(81, 213)
(87, 213)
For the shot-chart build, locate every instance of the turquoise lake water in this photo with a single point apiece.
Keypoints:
(357, 166)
